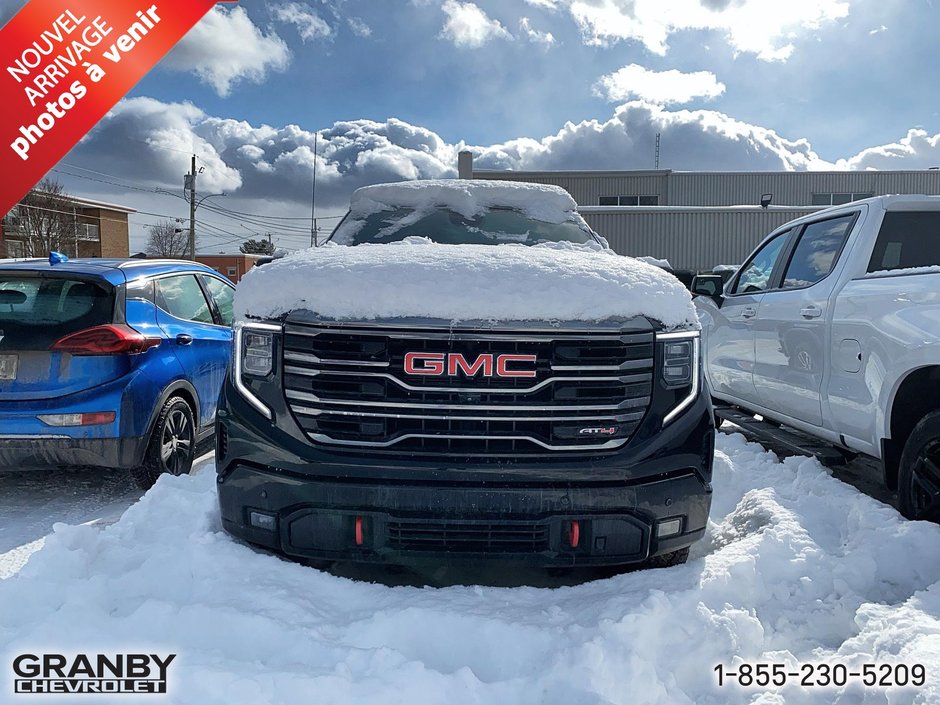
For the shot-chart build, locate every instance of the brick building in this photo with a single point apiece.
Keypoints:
(231, 266)
(99, 229)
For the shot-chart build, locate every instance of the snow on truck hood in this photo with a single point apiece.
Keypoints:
(465, 282)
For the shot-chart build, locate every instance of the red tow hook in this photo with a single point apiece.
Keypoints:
(574, 533)
(358, 531)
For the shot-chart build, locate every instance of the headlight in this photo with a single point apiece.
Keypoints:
(680, 368)
(257, 353)
(678, 360)
(253, 357)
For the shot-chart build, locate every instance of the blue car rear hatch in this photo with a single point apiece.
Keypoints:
(61, 331)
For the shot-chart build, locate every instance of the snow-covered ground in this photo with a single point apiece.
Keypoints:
(31, 502)
(796, 566)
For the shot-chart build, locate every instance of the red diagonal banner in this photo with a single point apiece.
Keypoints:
(64, 64)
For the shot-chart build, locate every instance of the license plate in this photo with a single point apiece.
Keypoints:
(8, 366)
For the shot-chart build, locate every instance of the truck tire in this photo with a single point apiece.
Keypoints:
(919, 472)
(172, 444)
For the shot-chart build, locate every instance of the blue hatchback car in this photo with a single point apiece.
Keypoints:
(112, 363)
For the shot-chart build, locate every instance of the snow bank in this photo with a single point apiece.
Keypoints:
(464, 282)
(796, 567)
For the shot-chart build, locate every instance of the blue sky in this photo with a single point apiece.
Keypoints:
(394, 88)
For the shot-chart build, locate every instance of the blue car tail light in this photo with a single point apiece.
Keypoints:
(111, 339)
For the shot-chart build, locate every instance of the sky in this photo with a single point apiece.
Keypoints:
(387, 90)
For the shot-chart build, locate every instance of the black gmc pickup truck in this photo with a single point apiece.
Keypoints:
(373, 413)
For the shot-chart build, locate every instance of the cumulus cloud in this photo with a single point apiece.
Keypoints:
(466, 25)
(266, 168)
(662, 87)
(145, 138)
(305, 19)
(534, 35)
(699, 139)
(226, 47)
(750, 25)
(917, 150)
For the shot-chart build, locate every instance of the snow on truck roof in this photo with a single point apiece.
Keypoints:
(467, 197)
(560, 282)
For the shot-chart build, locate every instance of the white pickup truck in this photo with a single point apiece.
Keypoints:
(832, 327)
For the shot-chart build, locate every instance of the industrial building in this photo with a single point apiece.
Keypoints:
(698, 220)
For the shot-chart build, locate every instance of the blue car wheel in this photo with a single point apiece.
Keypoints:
(172, 444)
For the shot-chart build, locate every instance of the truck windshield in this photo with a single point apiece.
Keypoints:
(494, 227)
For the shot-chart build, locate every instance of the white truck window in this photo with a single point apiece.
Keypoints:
(816, 252)
(907, 240)
(755, 275)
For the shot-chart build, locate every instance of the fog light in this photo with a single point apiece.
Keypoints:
(670, 527)
(261, 520)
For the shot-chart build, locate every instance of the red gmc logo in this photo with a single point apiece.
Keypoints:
(487, 364)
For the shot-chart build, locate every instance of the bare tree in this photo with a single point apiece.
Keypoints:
(47, 220)
(167, 239)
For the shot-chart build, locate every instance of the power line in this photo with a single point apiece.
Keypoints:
(260, 218)
(104, 181)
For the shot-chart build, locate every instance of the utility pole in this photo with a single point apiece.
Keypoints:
(314, 232)
(75, 228)
(192, 210)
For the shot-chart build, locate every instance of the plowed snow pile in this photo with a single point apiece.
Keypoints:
(796, 567)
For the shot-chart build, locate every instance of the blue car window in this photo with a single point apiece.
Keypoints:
(224, 297)
(181, 296)
(37, 311)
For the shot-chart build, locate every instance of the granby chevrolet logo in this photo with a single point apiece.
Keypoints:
(102, 674)
(452, 364)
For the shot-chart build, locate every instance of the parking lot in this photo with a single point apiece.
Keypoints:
(32, 503)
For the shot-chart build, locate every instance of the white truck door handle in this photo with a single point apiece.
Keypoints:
(811, 312)
(748, 312)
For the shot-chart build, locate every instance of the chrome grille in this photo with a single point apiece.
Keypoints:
(347, 387)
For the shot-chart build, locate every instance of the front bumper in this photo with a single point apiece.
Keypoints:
(315, 504)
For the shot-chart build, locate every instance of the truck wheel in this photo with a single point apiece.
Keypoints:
(919, 472)
(669, 559)
(172, 444)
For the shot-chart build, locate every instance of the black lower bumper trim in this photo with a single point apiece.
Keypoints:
(399, 523)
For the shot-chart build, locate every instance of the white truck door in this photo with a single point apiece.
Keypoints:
(729, 346)
(790, 333)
